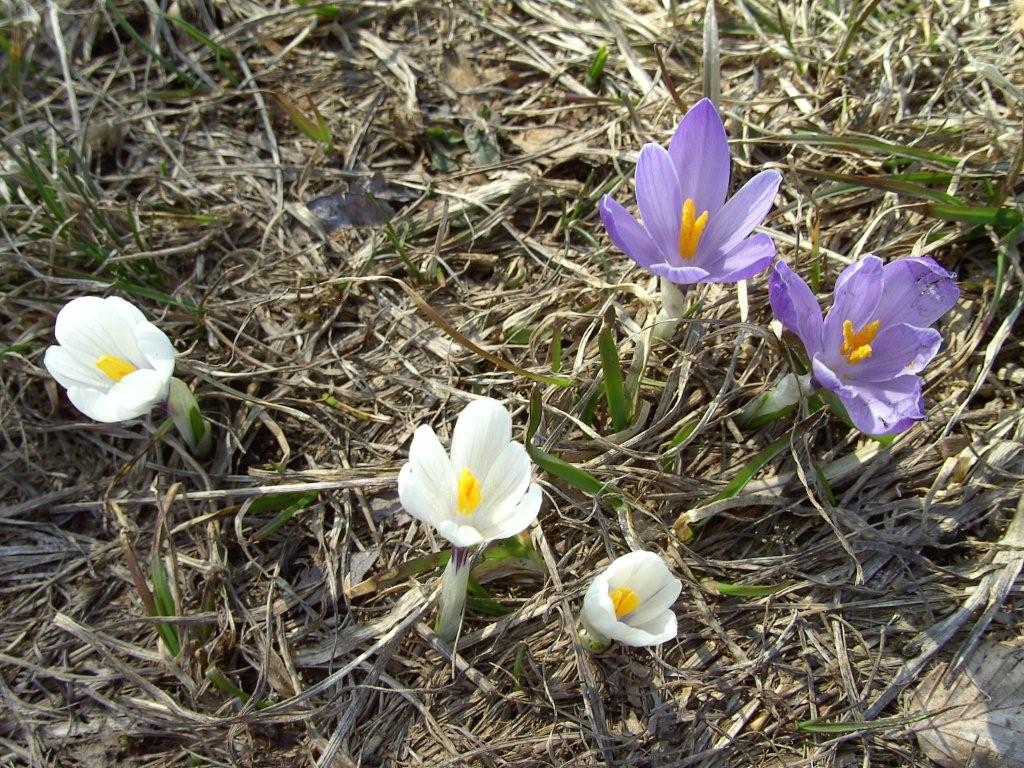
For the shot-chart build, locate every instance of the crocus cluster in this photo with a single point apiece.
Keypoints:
(873, 343)
(866, 352)
(482, 491)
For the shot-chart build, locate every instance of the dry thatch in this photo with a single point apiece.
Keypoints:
(165, 151)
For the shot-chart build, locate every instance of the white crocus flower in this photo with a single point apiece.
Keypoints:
(114, 363)
(631, 602)
(483, 491)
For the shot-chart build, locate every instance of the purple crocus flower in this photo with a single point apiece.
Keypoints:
(690, 234)
(875, 339)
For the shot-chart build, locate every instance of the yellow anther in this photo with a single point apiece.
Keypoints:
(115, 368)
(625, 601)
(857, 345)
(690, 229)
(469, 492)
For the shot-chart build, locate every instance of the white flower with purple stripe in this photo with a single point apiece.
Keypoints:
(482, 491)
(875, 340)
(690, 232)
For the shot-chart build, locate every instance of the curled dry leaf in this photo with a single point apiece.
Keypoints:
(977, 718)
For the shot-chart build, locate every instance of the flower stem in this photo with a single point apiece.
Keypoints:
(184, 411)
(593, 640)
(673, 307)
(453, 595)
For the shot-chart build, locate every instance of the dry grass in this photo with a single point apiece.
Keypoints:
(181, 180)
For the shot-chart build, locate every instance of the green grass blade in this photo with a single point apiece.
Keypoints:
(315, 129)
(552, 464)
(726, 589)
(596, 69)
(751, 468)
(164, 606)
(1003, 219)
(556, 347)
(290, 503)
(872, 145)
(122, 22)
(825, 727)
(614, 388)
(222, 55)
(517, 666)
(894, 183)
(711, 69)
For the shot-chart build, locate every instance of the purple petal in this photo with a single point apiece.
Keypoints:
(738, 217)
(700, 152)
(794, 305)
(626, 232)
(657, 194)
(876, 408)
(896, 351)
(751, 257)
(917, 291)
(680, 275)
(856, 296)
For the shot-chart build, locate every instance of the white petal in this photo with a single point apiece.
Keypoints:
(138, 392)
(481, 433)
(598, 611)
(73, 370)
(429, 478)
(515, 520)
(459, 535)
(655, 604)
(647, 575)
(652, 577)
(661, 629)
(430, 463)
(156, 347)
(97, 405)
(417, 499)
(93, 326)
(131, 397)
(131, 314)
(503, 486)
(643, 572)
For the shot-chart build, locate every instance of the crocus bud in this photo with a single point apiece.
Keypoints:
(184, 411)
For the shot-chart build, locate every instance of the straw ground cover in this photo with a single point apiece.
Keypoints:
(259, 608)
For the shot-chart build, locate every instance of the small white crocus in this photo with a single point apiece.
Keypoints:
(483, 491)
(631, 602)
(115, 364)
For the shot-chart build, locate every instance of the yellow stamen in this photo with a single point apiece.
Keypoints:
(857, 345)
(690, 229)
(115, 368)
(625, 601)
(469, 492)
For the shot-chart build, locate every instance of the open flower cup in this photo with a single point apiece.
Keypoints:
(875, 340)
(481, 492)
(689, 232)
(631, 602)
(117, 366)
